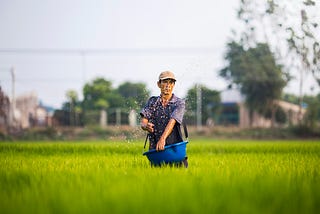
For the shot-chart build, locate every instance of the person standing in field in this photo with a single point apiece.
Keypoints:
(162, 115)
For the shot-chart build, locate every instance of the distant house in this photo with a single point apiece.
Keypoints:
(235, 112)
(26, 107)
(40, 116)
(294, 112)
(30, 113)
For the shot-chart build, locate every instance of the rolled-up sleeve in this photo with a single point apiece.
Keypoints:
(146, 111)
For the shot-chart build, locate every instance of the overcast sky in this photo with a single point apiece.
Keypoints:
(57, 45)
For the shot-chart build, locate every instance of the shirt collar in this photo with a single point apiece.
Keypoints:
(172, 100)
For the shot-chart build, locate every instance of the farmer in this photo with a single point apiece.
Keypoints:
(163, 115)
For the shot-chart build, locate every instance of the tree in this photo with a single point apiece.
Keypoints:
(313, 112)
(290, 28)
(313, 109)
(210, 103)
(99, 95)
(255, 72)
(71, 111)
(74, 107)
(135, 94)
(96, 94)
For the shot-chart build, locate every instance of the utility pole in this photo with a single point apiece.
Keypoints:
(199, 110)
(13, 99)
(84, 66)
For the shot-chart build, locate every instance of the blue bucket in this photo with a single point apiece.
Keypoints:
(171, 154)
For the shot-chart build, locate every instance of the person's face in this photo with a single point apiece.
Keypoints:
(166, 86)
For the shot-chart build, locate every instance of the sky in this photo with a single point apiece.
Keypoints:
(58, 45)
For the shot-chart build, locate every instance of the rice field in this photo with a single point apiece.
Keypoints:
(114, 177)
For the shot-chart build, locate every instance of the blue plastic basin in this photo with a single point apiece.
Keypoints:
(171, 154)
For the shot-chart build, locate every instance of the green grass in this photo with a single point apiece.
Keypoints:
(223, 177)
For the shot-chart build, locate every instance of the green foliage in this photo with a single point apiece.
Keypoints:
(72, 96)
(114, 177)
(313, 113)
(210, 103)
(135, 94)
(256, 74)
(96, 94)
(312, 104)
(99, 94)
(291, 98)
(72, 110)
(91, 118)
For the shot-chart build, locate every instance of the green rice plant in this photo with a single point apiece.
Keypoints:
(114, 177)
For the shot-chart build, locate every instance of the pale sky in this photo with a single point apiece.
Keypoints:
(57, 45)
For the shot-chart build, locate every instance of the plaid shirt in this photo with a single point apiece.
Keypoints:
(160, 116)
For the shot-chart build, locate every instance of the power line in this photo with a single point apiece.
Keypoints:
(44, 80)
(111, 51)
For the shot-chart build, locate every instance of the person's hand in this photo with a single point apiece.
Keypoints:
(149, 127)
(160, 145)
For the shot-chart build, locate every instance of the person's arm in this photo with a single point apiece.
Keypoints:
(167, 131)
(145, 125)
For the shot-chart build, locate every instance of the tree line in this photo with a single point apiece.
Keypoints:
(99, 95)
